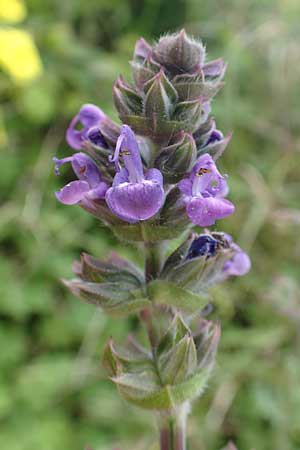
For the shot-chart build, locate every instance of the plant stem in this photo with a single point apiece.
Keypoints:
(152, 268)
(172, 427)
(152, 260)
(172, 424)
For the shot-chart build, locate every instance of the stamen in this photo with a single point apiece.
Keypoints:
(202, 171)
(118, 151)
(125, 152)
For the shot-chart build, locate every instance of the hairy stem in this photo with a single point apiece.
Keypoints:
(172, 427)
(152, 268)
(153, 260)
(172, 424)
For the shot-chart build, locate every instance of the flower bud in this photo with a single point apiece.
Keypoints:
(179, 362)
(214, 69)
(143, 71)
(177, 159)
(202, 134)
(126, 100)
(179, 53)
(141, 74)
(142, 50)
(176, 331)
(193, 113)
(160, 98)
(190, 87)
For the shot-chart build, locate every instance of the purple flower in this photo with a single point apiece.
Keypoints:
(134, 195)
(89, 185)
(89, 116)
(239, 264)
(204, 191)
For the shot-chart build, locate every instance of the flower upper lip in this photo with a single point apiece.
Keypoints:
(89, 116)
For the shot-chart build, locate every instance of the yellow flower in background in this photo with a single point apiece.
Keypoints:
(12, 11)
(18, 55)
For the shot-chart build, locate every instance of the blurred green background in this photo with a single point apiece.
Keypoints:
(53, 390)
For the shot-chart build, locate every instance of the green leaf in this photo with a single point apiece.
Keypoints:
(179, 362)
(188, 90)
(168, 293)
(126, 99)
(160, 98)
(191, 112)
(141, 73)
(147, 395)
(176, 331)
(111, 297)
(177, 256)
(159, 131)
(109, 361)
(146, 232)
(176, 160)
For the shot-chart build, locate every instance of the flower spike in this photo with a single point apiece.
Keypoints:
(151, 179)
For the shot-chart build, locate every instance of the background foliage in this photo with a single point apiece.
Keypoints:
(53, 391)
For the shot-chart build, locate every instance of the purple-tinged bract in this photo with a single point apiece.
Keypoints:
(134, 195)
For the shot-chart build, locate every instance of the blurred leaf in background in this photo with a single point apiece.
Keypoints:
(53, 392)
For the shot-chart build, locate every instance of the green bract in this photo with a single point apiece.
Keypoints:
(176, 374)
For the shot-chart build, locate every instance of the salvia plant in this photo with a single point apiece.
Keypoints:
(154, 181)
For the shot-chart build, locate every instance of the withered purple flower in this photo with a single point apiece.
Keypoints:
(89, 116)
(89, 185)
(214, 136)
(134, 195)
(204, 245)
(204, 191)
(95, 136)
